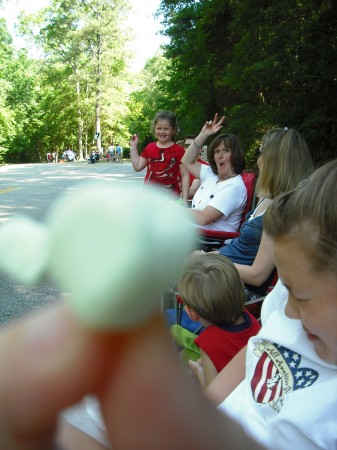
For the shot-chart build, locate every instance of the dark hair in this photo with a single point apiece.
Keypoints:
(237, 156)
(170, 117)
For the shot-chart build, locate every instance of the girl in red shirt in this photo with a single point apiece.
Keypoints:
(162, 158)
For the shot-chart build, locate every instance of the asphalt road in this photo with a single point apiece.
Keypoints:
(30, 189)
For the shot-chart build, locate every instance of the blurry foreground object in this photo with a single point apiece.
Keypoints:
(115, 280)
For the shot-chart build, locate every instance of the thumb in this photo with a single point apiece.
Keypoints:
(150, 403)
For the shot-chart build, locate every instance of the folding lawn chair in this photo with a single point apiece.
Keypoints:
(254, 306)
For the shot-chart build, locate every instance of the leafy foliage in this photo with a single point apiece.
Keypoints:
(260, 63)
(82, 67)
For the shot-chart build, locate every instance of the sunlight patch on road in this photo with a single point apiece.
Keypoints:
(3, 191)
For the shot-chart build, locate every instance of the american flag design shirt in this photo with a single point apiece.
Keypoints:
(277, 373)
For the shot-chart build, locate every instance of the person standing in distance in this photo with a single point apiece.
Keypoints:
(163, 157)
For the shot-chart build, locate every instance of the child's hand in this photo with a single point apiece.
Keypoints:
(198, 370)
(212, 127)
(134, 141)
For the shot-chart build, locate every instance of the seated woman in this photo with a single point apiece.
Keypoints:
(220, 201)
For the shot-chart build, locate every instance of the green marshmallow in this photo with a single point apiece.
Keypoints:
(115, 248)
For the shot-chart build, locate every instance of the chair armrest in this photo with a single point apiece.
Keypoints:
(210, 240)
(219, 235)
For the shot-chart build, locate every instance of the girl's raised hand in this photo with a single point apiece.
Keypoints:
(212, 127)
(134, 140)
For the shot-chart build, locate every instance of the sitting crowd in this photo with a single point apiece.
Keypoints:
(284, 160)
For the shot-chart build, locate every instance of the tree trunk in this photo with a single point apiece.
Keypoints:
(98, 92)
(80, 122)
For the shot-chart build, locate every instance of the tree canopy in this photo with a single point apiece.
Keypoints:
(260, 63)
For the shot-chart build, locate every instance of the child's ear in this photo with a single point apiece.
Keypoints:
(192, 314)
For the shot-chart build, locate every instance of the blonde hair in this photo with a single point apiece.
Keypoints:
(286, 161)
(309, 214)
(211, 285)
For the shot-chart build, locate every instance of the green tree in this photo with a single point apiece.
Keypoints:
(84, 43)
(199, 49)
(281, 71)
(7, 117)
(261, 63)
(19, 90)
(148, 97)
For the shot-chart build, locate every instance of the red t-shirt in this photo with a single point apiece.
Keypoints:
(163, 165)
(221, 344)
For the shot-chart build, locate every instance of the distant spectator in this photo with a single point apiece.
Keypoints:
(111, 155)
(119, 153)
(194, 182)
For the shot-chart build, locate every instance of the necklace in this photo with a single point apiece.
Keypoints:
(226, 178)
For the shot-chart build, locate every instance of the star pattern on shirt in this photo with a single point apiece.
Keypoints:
(303, 376)
(279, 371)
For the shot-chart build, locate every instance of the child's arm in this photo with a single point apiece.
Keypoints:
(228, 379)
(210, 371)
(262, 267)
(204, 369)
(138, 162)
(185, 182)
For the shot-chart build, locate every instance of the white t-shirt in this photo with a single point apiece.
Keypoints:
(289, 396)
(229, 197)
